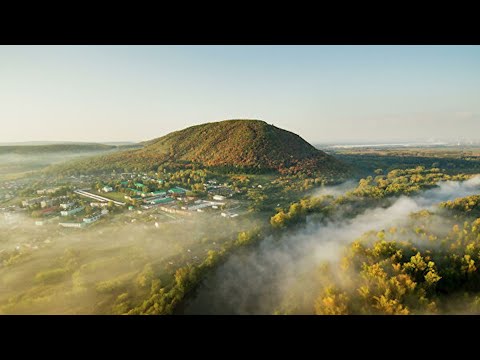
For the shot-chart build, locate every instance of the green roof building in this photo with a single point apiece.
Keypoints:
(159, 193)
(162, 201)
(177, 190)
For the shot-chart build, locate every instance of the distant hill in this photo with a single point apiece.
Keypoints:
(70, 148)
(39, 143)
(243, 145)
(54, 148)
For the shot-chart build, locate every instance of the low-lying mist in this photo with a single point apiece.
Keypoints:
(52, 270)
(18, 163)
(257, 280)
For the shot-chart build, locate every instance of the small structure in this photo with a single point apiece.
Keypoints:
(30, 202)
(72, 211)
(177, 191)
(91, 219)
(161, 201)
(159, 193)
(107, 189)
(98, 204)
(46, 203)
(218, 197)
(72, 225)
(65, 206)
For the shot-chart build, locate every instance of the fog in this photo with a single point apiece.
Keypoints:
(259, 279)
(335, 190)
(18, 163)
(107, 255)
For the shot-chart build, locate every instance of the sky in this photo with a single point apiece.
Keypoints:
(323, 93)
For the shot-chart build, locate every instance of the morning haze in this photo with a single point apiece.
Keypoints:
(323, 93)
(221, 203)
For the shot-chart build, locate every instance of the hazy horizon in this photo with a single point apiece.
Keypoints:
(325, 94)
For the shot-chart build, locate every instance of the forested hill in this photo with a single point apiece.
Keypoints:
(233, 144)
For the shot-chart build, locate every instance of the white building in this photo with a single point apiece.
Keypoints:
(65, 206)
(107, 189)
(72, 225)
(71, 212)
(98, 204)
(46, 203)
(218, 197)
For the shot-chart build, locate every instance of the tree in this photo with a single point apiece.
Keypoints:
(332, 302)
(279, 220)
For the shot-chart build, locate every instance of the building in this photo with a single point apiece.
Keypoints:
(107, 189)
(72, 211)
(91, 219)
(229, 215)
(46, 203)
(31, 202)
(177, 191)
(161, 201)
(65, 206)
(159, 193)
(98, 204)
(218, 197)
(72, 225)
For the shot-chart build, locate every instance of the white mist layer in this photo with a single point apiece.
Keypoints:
(255, 281)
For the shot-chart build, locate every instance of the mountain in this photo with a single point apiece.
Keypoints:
(243, 145)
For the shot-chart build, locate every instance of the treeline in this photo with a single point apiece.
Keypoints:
(370, 192)
(402, 182)
(164, 300)
(469, 205)
(366, 163)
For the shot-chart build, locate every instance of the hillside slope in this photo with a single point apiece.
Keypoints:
(243, 145)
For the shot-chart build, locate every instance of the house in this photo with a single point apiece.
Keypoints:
(65, 206)
(72, 211)
(30, 202)
(159, 193)
(107, 189)
(98, 204)
(218, 197)
(177, 191)
(46, 203)
(91, 219)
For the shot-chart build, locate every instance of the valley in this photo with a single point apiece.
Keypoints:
(171, 236)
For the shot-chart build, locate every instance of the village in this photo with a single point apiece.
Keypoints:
(85, 200)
